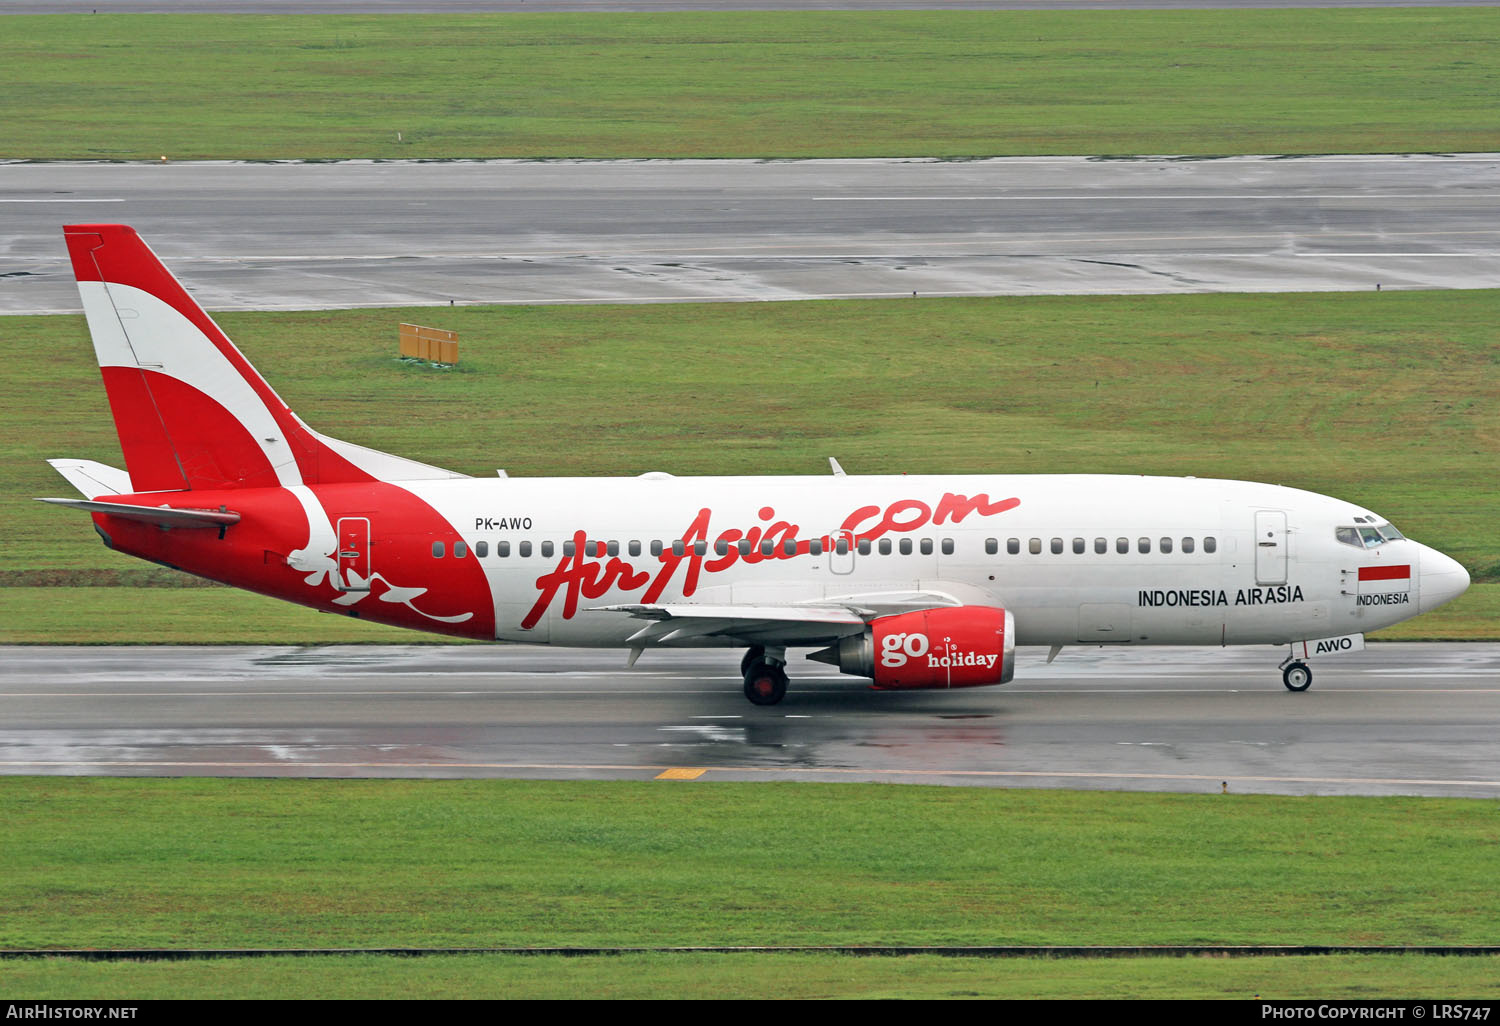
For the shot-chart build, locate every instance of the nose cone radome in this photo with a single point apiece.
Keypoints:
(1443, 579)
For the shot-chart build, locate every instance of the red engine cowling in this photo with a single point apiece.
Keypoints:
(949, 647)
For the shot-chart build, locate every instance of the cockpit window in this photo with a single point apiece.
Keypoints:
(1367, 537)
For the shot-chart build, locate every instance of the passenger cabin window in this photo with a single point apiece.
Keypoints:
(612, 548)
(482, 549)
(1210, 545)
(460, 550)
(1101, 546)
(1122, 545)
(634, 548)
(1034, 546)
(1166, 544)
(1078, 546)
(863, 546)
(885, 546)
(905, 546)
(591, 549)
(991, 546)
(656, 548)
(1013, 545)
(525, 548)
(700, 548)
(815, 547)
(1057, 546)
(1144, 546)
(841, 546)
(677, 547)
(1187, 545)
(947, 546)
(721, 547)
(502, 549)
(744, 546)
(789, 547)
(768, 548)
(437, 550)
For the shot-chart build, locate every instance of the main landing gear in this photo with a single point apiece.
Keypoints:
(765, 676)
(1295, 675)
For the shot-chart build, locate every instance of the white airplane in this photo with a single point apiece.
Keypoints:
(915, 582)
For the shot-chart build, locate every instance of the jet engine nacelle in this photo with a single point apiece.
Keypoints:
(950, 647)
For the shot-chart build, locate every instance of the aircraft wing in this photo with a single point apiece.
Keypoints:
(813, 623)
(777, 625)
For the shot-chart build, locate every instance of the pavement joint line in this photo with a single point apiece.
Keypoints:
(767, 770)
(857, 950)
(1158, 197)
(1175, 159)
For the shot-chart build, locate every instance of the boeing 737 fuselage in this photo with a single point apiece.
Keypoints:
(914, 582)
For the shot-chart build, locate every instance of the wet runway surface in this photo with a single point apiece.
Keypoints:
(313, 236)
(1417, 719)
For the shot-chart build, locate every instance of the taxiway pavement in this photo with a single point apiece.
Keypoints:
(359, 233)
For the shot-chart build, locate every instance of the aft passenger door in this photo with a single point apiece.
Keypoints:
(1270, 547)
(354, 553)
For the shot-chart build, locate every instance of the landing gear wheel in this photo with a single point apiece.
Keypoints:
(1297, 677)
(751, 655)
(765, 683)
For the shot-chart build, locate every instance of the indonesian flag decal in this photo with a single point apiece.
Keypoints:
(1396, 577)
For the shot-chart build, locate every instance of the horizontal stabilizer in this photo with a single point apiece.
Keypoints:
(93, 479)
(162, 516)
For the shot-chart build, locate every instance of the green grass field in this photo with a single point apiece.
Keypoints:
(753, 977)
(288, 863)
(1390, 399)
(101, 862)
(766, 84)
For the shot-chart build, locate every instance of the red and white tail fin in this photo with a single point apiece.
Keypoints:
(190, 410)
